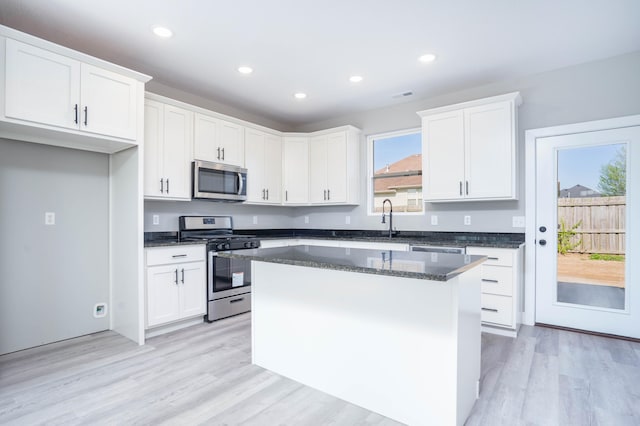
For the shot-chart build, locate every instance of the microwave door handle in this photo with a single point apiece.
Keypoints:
(241, 184)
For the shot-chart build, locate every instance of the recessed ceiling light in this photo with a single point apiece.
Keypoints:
(429, 57)
(355, 78)
(245, 70)
(300, 95)
(163, 32)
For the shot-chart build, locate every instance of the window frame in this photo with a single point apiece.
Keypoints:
(370, 170)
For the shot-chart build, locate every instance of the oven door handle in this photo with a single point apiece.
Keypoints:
(240, 184)
(210, 271)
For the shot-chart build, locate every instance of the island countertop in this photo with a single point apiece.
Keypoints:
(420, 265)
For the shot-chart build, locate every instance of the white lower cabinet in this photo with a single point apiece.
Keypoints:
(502, 277)
(175, 284)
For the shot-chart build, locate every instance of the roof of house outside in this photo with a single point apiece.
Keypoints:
(578, 191)
(407, 164)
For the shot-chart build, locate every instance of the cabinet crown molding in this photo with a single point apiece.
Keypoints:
(513, 96)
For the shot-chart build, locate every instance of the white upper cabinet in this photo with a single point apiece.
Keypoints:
(263, 161)
(218, 140)
(167, 157)
(470, 150)
(48, 90)
(334, 167)
(295, 170)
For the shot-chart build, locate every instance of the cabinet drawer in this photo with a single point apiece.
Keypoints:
(497, 309)
(228, 306)
(496, 256)
(497, 280)
(167, 255)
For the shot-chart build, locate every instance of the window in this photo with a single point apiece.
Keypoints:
(395, 171)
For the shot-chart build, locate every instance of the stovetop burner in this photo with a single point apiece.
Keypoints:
(217, 231)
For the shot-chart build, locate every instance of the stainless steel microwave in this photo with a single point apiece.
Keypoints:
(216, 181)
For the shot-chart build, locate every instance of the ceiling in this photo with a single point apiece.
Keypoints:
(315, 46)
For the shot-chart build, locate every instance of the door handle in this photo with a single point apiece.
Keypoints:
(267, 194)
(86, 115)
(543, 242)
(236, 300)
(222, 154)
(218, 153)
(240, 183)
(76, 111)
(328, 194)
(167, 185)
(182, 275)
(488, 280)
(325, 195)
(490, 309)
(286, 195)
(176, 272)
(161, 185)
(543, 229)
(460, 187)
(263, 194)
(466, 184)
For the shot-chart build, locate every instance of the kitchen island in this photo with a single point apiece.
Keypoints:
(397, 333)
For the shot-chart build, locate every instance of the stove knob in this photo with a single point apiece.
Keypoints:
(227, 246)
(220, 246)
(248, 244)
(255, 244)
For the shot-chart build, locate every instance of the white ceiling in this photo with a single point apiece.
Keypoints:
(315, 45)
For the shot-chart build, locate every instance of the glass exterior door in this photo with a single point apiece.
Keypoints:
(588, 185)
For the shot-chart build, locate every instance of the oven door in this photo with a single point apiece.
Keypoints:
(228, 276)
(219, 181)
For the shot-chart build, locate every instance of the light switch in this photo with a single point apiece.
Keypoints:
(156, 219)
(347, 220)
(306, 219)
(49, 218)
(255, 220)
(434, 219)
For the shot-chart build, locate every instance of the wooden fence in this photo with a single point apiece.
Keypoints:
(603, 223)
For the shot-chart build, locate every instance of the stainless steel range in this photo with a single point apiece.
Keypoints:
(228, 280)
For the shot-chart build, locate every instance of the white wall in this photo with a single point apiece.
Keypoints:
(52, 275)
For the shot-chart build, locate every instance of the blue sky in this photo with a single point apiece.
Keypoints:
(390, 150)
(582, 165)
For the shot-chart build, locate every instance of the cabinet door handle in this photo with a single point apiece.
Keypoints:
(492, 258)
(222, 154)
(179, 255)
(466, 184)
(267, 194)
(236, 300)
(325, 195)
(286, 195)
(76, 111)
(182, 275)
(218, 153)
(176, 272)
(328, 194)
(263, 194)
(161, 185)
(167, 185)
(489, 281)
(86, 115)
(460, 187)
(490, 309)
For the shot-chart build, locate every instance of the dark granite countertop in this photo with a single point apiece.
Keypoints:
(426, 266)
(450, 239)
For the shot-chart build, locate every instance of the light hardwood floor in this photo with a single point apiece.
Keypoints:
(203, 375)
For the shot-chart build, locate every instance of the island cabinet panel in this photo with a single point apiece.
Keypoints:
(406, 348)
(48, 90)
(470, 150)
(502, 278)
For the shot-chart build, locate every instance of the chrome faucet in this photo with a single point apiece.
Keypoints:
(390, 215)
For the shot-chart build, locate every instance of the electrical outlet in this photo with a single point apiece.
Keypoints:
(306, 219)
(434, 219)
(467, 220)
(49, 218)
(347, 220)
(255, 220)
(518, 222)
(156, 219)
